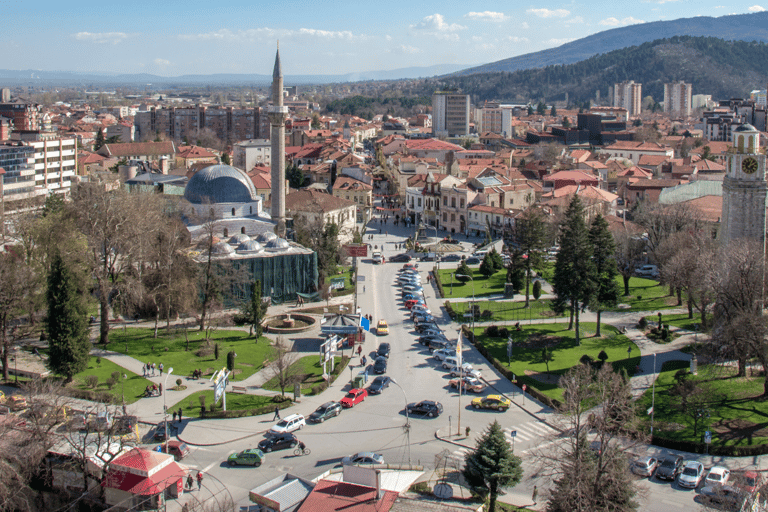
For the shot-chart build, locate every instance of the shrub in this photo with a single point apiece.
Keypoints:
(681, 375)
(421, 488)
(486, 314)
(586, 359)
(665, 334)
(492, 331)
(202, 401)
(178, 382)
(231, 360)
(439, 283)
(503, 332)
(654, 330)
(602, 356)
(536, 290)
(216, 351)
(111, 382)
(116, 376)
(449, 309)
(98, 361)
(642, 323)
(92, 381)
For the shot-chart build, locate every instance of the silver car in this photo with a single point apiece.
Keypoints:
(363, 458)
(645, 466)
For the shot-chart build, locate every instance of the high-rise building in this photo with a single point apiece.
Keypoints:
(450, 114)
(229, 124)
(25, 116)
(494, 118)
(55, 160)
(677, 99)
(628, 95)
(278, 114)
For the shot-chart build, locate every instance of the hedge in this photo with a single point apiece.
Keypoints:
(322, 386)
(449, 310)
(94, 396)
(507, 373)
(720, 450)
(282, 403)
(436, 276)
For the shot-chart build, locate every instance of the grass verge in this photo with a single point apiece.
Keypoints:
(507, 311)
(190, 405)
(103, 369)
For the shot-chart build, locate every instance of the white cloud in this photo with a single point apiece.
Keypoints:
(325, 34)
(486, 16)
(525, 25)
(101, 37)
(388, 37)
(406, 50)
(437, 22)
(575, 19)
(558, 42)
(254, 34)
(615, 22)
(448, 37)
(756, 8)
(515, 39)
(549, 13)
(162, 62)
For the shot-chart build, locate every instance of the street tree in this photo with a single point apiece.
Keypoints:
(66, 323)
(295, 176)
(516, 271)
(486, 266)
(529, 234)
(591, 476)
(573, 282)
(629, 255)
(255, 310)
(692, 270)
(492, 465)
(324, 240)
(15, 278)
(463, 272)
(281, 367)
(692, 400)
(661, 221)
(606, 289)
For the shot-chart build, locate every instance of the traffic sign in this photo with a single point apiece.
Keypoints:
(525, 387)
(513, 433)
(708, 437)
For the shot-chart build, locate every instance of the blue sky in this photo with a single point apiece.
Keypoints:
(174, 37)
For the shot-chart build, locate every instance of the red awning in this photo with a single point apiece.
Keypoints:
(145, 486)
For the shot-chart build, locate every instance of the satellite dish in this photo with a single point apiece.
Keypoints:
(443, 491)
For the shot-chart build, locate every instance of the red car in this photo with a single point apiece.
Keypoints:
(410, 303)
(354, 397)
(409, 265)
(749, 481)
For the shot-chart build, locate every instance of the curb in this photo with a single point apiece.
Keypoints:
(222, 442)
(439, 438)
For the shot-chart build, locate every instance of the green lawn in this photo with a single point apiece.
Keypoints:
(528, 344)
(645, 295)
(235, 402)
(348, 283)
(506, 311)
(134, 384)
(681, 320)
(482, 285)
(309, 366)
(737, 416)
(169, 349)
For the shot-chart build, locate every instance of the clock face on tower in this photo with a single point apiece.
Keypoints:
(749, 165)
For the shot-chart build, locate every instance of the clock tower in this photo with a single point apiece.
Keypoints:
(744, 189)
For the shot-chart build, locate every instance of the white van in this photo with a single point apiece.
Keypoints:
(480, 254)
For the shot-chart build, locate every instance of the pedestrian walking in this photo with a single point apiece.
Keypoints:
(363, 288)
(535, 494)
(143, 370)
(364, 360)
(179, 414)
(190, 481)
(277, 413)
(199, 480)
(153, 369)
(161, 369)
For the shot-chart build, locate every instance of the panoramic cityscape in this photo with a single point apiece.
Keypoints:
(448, 258)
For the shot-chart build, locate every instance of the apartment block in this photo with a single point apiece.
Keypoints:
(628, 95)
(249, 153)
(18, 179)
(450, 114)
(25, 116)
(229, 124)
(55, 160)
(677, 99)
(495, 118)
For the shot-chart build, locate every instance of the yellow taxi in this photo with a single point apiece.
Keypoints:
(496, 402)
(382, 327)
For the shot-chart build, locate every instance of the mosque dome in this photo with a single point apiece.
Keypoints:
(249, 246)
(238, 239)
(220, 184)
(266, 237)
(746, 128)
(222, 248)
(278, 244)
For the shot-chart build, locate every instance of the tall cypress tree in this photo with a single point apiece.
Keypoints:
(574, 270)
(99, 142)
(529, 233)
(66, 323)
(603, 258)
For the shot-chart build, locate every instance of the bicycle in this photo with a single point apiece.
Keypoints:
(299, 452)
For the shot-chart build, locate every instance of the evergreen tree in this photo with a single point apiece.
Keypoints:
(496, 260)
(516, 271)
(553, 112)
(529, 233)
(603, 258)
(486, 267)
(574, 269)
(99, 142)
(255, 309)
(541, 108)
(66, 322)
(225, 159)
(492, 465)
(464, 270)
(566, 122)
(295, 176)
(530, 110)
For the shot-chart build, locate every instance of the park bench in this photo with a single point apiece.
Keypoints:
(239, 389)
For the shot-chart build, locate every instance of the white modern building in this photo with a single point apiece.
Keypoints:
(55, 160)
(249, 153)
(677, 98)
(628, 95)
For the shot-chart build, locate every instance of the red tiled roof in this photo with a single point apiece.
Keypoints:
(194, 152)
(328, 496)
(138, 148)
(347, 183)
(315, 201)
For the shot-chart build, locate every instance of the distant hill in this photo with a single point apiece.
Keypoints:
(713, 66)
(736, 27)
(31, 76)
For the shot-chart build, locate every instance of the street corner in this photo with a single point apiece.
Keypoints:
(442, 434)
(216, 432)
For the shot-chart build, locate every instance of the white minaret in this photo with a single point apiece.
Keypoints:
(277, 116)
(744, 189)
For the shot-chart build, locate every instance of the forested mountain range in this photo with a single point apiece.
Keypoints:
(735, 27)
(714, 66)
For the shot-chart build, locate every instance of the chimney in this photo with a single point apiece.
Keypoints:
(164, 165)
(379, 491)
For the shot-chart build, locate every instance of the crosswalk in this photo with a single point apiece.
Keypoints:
(531, 433)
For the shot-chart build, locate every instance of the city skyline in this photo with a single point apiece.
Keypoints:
(176, 38)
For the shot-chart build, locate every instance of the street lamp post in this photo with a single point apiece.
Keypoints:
(122, 383)
(473, 300)
(165, 408)
(653, 393)
(407, 419)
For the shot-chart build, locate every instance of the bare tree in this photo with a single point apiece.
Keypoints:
(282, 367)
(692, 270)
(589, 466)
(629, 254)
(661, 221)
(15, 278)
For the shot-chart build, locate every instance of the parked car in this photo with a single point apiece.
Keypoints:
(718, 475)
(412, 288)
(101, 421)
(382, 328)
(669, 467)
(249, 457)
(495, 402)
(749, 481)
(691, 475)
(424, 326)
(400, 258)
(432, 331)
(424, 339)
(449, 240)
(466, 370)
(363, 458)
(451, 257)
(325, 411)
(430, 256)
(378, 258)
(645, 466)
(425, 408)
(383, 350)
(439, 344)
(727, 496)
(380, 365)
(442, 353)
(408, 265)
(288, 424)
(473, 260)
(16, 402)
(420, 309)
(178, 449)
(413, 296)
(422, 317)
(647, 271)
(452, 361)
(409, 279)
(160, 430)
(413, 302)
(278, 442)
(470, 384)
(354, 397)
(379, 383)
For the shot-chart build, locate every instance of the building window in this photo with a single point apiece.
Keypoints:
(453, 202)
(445, 217)
(418, 202)
(242, 230)
(233, 212)
(226, 232)
(453, 217)
(445, 201)
(462, 204)
(493, 204)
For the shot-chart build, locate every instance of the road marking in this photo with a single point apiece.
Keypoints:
(209, 466)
